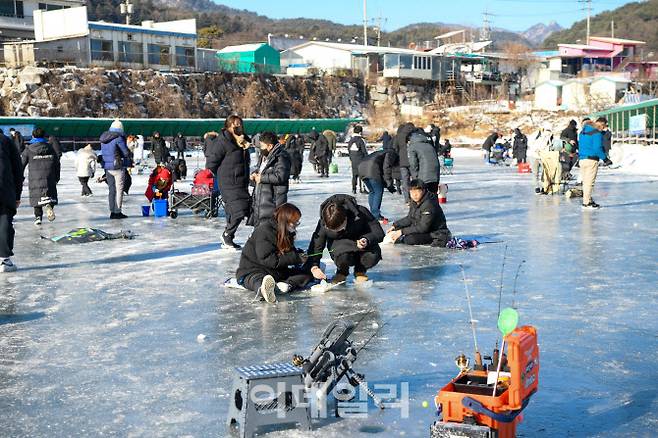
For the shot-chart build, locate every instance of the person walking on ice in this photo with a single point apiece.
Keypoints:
(43, 165)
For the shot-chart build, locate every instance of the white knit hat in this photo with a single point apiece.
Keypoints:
(116, 124)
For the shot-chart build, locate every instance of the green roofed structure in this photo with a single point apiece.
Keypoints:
(73, 127)
(250, 58)
(632, 123)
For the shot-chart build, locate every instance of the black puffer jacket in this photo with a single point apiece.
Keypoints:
(160, 150)
(273, 188)
(426, 217)
(360, 224)
(379, 166)
(387, 141)
(44, 170)
(435, 133)
(357, 150)
(11, 175)
(260, 253)
(18, 142)
(423, 158)
(400, 144)
(520, 145)
(490, 141)
(295, 149)
(180, 144)
(230, 163)
(570, 133)
(321, 149)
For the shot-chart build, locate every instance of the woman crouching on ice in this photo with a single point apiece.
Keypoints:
(269, 261)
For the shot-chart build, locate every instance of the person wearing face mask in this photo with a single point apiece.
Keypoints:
(271, 180)
(269, 262)
(227, 156)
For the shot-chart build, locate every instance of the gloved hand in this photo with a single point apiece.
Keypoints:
(391, 188)
(303, 257)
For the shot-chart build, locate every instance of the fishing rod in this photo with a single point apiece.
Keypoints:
(518, 271)
(496, 351)
(375, 334)
(319, 253)
(478, 356)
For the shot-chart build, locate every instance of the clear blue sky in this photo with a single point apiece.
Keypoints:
(509, 14)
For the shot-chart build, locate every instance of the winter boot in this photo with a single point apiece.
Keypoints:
(267, 289)
(227, 241)
(37, 221)
(50, 212)
(7, 265)
(360, 277)
(338, 278)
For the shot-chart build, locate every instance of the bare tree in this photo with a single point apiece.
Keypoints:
(518, 58)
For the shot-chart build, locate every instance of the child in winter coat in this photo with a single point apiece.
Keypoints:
(425, 224)
(44, 173)
(85, 165)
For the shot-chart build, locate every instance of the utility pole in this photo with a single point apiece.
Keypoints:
(485, 32)
(612, 26)
(365, 22)
(378, 27)
(588, 8)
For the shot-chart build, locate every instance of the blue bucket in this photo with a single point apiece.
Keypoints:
(146, 210)
(160, 207)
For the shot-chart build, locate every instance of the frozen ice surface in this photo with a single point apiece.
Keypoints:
(101, 338)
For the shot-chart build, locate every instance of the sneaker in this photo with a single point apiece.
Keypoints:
(7, 266)
(267, 289)
(591, 206)
(228, 242)
(537, 190)
(338, 278)
(50, 212)
(360, 277)
(118, 216)
(283, 287)
(37, 221)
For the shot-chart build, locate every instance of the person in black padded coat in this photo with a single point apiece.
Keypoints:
(269, 261)
(227, 156)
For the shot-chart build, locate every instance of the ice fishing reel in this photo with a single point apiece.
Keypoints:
(331, 360)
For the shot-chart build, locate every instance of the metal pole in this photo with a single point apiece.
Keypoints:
(365, 22)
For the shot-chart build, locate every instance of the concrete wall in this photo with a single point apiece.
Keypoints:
(575, 96)
(71, 51)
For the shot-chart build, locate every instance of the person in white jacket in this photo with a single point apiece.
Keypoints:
(85, 165)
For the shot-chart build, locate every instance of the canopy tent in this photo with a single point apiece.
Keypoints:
(89, 128)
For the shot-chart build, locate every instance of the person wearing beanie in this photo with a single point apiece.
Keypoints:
(115, 158)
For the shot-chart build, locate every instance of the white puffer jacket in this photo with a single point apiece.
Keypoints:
(85, 162)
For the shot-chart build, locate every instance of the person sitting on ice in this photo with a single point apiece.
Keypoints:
(425, 224)
(352, 235)
(269, 261)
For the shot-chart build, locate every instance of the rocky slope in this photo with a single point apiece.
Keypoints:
(144, 93)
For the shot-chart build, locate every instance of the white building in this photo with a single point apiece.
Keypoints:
(548, 95)
(331, 57)
(576, 94)
(608, 90)
(17, 16)
(66, 37)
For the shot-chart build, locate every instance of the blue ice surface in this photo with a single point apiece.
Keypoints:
(101, 338)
